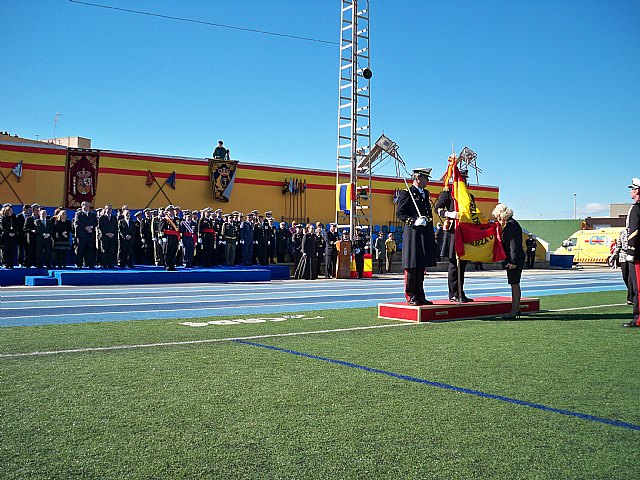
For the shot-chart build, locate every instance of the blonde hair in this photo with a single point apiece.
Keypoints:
(502, 213)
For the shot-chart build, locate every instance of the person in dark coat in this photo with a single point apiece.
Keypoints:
(188, 231)
(512, 245)
(296, 245)
(283, 236)
(445, 207)
(108, 231)
(331, 250)
(320, 249)
(307, 267)
(126, 240)
(86, 223)
(9, 235)
(246, 239)
(360, 245)
(44, 240)
(418, 240)
(61, 239)
(22, 238)
(29, 230)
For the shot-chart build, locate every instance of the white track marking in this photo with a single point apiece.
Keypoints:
(196, 342)
(585, 308)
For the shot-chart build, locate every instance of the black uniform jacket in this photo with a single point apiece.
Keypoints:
(418, 243)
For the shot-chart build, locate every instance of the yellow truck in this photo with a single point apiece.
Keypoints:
(590, 246)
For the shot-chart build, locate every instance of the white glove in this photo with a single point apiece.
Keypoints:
(242, 242)
(420, 221)
(224, 242)
(180, 244)
(255, 242)
(630, 258)
(199, 240)
(268, 242)
(451, 215)
(164, 241)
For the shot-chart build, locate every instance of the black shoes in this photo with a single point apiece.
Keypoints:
(512, 316)
(630, 325)
(465, 299)
(418, 303)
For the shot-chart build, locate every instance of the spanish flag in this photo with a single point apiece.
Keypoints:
(476, 239)
(345, 194)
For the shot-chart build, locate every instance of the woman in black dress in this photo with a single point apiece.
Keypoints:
(512, 245)
(61, 239)
(307, 267)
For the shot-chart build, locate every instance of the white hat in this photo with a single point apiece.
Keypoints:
(635, 183)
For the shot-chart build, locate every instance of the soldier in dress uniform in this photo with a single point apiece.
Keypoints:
(158, 253)
(229, 237)
(360, 246)
(138, 254)
(217, 222)
(170, 237)
(296, 245)
(419, 244)
(126, 239)
(236, 217)
(283, 238)
(146, 237)
(188, 228)
(320, 248)
(270, 233)
(22, 238)
(206, 237)
(445, 207)
(259, 241)
(246, 239)
(331, 236)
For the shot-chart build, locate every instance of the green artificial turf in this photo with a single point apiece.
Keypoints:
(232, 410)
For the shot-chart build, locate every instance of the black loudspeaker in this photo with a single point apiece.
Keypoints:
(366, 73)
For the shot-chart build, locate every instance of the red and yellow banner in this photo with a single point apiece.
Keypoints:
(476, 239)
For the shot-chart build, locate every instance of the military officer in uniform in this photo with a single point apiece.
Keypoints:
(126, 240)
(331, 251)
(170, 237)
(207, 237)
(445, 207)
(419, 244)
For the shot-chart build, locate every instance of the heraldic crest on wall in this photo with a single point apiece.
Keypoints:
(82, 177)
(222, 175)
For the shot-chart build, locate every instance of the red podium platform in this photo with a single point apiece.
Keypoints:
(445, 310)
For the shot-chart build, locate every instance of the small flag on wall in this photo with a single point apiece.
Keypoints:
(150, 179)
(171, 181)
(17, 170)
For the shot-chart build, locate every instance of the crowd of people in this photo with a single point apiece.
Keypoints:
(171, 237)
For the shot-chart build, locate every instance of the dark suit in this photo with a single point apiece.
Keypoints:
(330, 253)
(29, 230)
(44, 242)
(126, 252)
(418, 242)
(108, 224)
(170, 235)
(86, 237)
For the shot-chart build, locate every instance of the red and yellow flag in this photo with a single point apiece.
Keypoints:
(476, 239)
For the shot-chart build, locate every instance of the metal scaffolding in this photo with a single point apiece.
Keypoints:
(354, 114)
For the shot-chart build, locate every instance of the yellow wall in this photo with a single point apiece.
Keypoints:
(122, 176)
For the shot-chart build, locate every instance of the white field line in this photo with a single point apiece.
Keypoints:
(195, 342)
(585, 308)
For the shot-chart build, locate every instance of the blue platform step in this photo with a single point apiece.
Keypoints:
(17, 275)
(35, 281)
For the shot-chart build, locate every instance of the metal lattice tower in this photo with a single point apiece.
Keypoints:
(354, 114)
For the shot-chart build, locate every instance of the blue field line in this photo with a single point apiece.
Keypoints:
(478, 393)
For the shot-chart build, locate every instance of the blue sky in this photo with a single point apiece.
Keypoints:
(546, 92)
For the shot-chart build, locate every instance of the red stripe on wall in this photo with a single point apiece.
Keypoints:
(41, 150)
